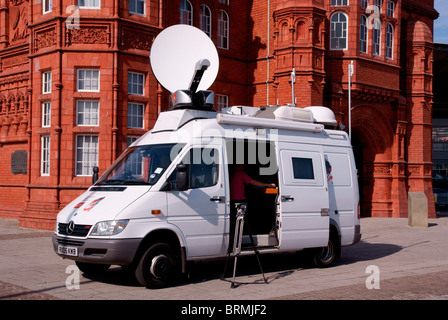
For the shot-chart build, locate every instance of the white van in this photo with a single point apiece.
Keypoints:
(165, 201)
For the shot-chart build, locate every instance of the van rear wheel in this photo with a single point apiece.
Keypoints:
(325, 257)
(157, 268)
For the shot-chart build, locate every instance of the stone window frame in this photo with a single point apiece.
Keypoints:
(87, 153)
(46, 114)
(344, 30)
(45, 143)
(223, 30)
(136, 7)
(134, 118)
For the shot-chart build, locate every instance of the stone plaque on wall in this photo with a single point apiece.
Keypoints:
(19, 162)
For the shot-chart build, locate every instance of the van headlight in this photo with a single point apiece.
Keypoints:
(109, 228)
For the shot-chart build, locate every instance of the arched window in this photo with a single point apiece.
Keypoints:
(186, 12)
(338, 31)
(301, 30)
(223, 30)
(377, 38)
(389, 41)
(363, 35)
(205, 20)
(379, 5)
(284, 32)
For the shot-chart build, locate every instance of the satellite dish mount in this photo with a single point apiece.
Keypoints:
(173, 54)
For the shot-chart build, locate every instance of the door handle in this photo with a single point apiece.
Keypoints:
(218, 199)
(287, 198)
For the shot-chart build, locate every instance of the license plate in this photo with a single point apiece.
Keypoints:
(68, 251)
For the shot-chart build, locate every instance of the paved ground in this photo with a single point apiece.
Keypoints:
(412, 265)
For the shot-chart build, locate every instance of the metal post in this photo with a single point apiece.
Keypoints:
(293, 80)
(350, 73)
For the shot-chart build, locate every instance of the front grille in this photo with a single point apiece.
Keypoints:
(68, 242)
(80, 230)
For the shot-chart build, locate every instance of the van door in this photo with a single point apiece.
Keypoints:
(199, 211)
(341, 187)
(304, 201)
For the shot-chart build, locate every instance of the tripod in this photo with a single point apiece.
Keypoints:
(238, 239)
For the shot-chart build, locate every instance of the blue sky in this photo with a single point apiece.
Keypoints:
(441, 24)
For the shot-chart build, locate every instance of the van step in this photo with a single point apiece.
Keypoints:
(260, 240)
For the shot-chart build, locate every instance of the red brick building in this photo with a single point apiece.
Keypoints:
(76, 85)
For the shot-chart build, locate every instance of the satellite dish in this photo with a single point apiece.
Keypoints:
(179, 53)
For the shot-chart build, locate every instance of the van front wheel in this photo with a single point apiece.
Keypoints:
(157, 268)
(324, 257)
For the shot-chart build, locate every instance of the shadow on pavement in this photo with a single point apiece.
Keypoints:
(275, 266)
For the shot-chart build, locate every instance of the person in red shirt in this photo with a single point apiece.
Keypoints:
(238, 181)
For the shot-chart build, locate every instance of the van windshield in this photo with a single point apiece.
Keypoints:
(141, 165)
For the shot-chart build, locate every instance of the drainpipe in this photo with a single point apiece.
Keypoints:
(267, 57)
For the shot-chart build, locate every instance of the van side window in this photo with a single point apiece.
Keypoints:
(204, 171)
(202, 168)
(303, 168)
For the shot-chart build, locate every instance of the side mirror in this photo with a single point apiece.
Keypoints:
(182, 177)
(95, 174)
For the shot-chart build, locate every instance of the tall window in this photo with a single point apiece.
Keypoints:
(136, 113)
(376, 38)
(363, 35)
(338, 31)
(391, 9)
(136, 83)
(222, 101)
(378, 4)
(46, 114)
(205, 17)
(339, 2)
(364, 3)
(130, 140)
(92, 4)
(389, 41)
(137, 6)
(46, 82)
(223, 30)
(86, 154)
(87, 113)
(47, 6)
(186, 12)
(45, 156)
(89, 80)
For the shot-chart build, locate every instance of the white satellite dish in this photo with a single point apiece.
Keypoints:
(178, 52)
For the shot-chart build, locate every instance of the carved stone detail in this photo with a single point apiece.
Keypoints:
(44, 39)
(18, 20)
(131, 39)
(88, 35)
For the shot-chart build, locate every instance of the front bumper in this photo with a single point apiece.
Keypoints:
(107, 251)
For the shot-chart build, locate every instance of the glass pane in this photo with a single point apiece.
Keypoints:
(303, 168)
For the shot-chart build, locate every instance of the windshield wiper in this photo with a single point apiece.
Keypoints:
(136, 182)
(126, 182)
(114, 181)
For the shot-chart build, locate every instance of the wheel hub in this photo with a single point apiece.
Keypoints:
(160, 266)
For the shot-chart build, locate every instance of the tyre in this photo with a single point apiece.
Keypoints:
(92, 268)
(325, 257)
(157, 267)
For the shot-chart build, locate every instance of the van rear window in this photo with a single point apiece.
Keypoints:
(303, 168)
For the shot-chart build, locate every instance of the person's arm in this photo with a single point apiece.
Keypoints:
(261, 184)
